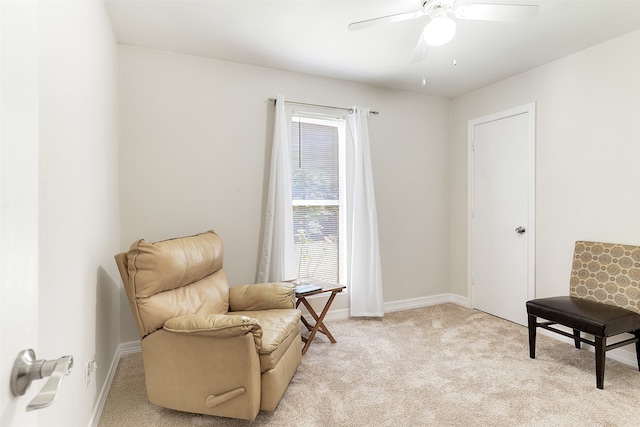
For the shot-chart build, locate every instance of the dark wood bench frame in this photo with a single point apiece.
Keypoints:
(596, 318)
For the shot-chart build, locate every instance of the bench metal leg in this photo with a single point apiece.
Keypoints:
(576, 338)
(532, 336)
(601, 348)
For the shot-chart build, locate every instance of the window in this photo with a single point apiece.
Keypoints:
(318, 193)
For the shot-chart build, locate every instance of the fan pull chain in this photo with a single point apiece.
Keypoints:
(424, 79)
(455, 61)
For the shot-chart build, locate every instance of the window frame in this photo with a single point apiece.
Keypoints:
(340, 123)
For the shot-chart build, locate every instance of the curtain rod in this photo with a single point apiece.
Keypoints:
(319, 105)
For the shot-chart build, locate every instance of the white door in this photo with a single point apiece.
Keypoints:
(19, 200)
(501, 214)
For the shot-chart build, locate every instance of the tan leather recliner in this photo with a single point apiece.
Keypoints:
(208, 348)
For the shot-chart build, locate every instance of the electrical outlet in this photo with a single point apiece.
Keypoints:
(90, 367)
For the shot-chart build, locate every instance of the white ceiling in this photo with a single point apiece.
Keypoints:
(311, 37)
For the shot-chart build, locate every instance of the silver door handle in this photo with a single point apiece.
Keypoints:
(520, 230)
(26, 369)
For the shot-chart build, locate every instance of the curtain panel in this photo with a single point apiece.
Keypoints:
(365, 273)
(277, 261)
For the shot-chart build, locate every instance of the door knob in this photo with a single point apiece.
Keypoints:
(520, 230)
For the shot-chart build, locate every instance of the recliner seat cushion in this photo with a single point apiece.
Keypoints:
(279, 328)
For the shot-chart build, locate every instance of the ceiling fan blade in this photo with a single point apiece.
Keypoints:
(385, 20)
(420, 52)
(497, 12)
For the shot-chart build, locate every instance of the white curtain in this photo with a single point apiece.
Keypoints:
(278, 251)
(365, 275)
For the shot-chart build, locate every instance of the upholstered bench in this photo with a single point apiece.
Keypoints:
(604, 301)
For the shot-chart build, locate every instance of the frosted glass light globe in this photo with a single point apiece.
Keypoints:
(439, 31)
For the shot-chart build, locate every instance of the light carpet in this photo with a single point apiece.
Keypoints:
(443, 365)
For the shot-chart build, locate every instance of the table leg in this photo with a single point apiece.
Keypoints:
(319, 325)
(304, 321)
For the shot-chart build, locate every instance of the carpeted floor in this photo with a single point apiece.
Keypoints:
(443, 365)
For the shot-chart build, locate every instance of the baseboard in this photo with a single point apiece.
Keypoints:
(622, 355)
(407, 304)
(413, 303)
(628, 357)
(123, 349)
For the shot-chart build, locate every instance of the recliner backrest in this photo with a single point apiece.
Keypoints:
(174, 277)
(607, 272)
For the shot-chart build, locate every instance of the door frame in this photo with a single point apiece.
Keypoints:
(529, 109)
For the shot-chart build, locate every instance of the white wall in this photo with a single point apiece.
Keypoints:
(79, 212)
(195, 148)
(588, 146)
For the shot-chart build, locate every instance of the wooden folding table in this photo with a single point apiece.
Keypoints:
(319, 325)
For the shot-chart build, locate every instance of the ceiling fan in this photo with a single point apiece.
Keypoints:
(441, 28)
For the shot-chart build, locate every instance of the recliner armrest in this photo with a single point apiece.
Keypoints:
(216, 326)
(262, 296)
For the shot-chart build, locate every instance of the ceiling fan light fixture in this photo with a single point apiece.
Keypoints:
(439, 31)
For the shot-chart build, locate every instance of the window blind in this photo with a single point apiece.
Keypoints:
(316, 192)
